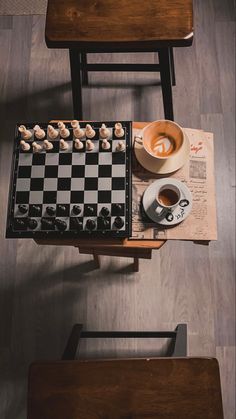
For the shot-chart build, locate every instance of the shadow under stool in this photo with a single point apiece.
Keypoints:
(121, 26)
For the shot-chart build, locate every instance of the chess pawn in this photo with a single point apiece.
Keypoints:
(77, 130)
(25, 133)
(120, 146)
(89, 131)
(52, 132)
(39, 132)
(36, 147)
(104, 131)
(64, 132)
(24, 146)
(119, 131)
(78, 144)
(47, 145)
(89, 145)
(105, 144)
(63, 144)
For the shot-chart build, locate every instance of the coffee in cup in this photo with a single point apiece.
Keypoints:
(167, 198)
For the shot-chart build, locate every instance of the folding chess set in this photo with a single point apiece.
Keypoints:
(71, 180)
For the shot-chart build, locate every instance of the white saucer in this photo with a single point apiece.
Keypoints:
(162, 166)
(178, 214)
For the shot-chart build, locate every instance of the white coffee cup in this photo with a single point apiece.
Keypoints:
(167, 199)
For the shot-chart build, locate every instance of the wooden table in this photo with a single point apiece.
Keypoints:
(111, 247)
(160, 388)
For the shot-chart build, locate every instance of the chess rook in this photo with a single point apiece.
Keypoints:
(39, 132)
(47, 145)
(104, 132)
(78, 144)
(105, 144)
(25, 133)
(64, 132)
(36, 147)
(63, 144)
(119, 130)
(89, 131)
(24, 146)
(52, 132)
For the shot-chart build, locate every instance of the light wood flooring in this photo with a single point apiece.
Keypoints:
(45, 290)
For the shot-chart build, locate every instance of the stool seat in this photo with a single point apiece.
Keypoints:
(111, 25)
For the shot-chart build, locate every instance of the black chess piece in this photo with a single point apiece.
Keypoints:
(104, 224)
(76, 223)
(20, 224)
(62, 209)
(105, 211)
(118, 222)
(90, 224)
(76, 209)
(32, 224)
(61, 224)
(23, 208)
(90, 210)
(51, 211)
(47, 224)
(117, 208)
(35, 210)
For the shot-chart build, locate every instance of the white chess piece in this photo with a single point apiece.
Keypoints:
(52, 132)
(25, 133)
(24, 146)
(119, 130)
(89, 131)
(89, 145)
(77, 130)
(64, 132)
(36, 147)
(104, 131)
(39, 132)
(63, 144)
(48, 145)
(78, 144)
(105, 144)
(120, 146)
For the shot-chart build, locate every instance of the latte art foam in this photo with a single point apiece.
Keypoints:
(162, 146)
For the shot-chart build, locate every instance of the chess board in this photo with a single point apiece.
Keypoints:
(71, 193)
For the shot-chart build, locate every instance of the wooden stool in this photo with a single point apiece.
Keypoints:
(174, 387)
(119, 26)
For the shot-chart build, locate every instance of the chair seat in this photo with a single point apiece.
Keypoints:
(111, 25)
(114, 389)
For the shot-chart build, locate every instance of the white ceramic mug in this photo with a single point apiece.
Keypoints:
(167, 199)
(161, 139)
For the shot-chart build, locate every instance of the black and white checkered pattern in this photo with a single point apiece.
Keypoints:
(98, 178)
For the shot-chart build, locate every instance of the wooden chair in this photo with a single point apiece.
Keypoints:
(126, 26)
(174, 387)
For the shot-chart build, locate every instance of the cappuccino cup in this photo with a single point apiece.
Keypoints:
(167, 199)
(162, 139)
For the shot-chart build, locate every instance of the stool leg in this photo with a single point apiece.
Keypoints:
(75, 68)
(172, 66)
(165, 74)
(84, 71)
(136, 265)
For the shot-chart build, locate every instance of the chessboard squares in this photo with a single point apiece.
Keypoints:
(65, 158)
(64, 171)
(105, 158)
(118, 170)
(78, 158)
(36, 197)
(78, 171)
(118, 183)
(50, 184)
(36, 184)
(104, 184)
(49, 197)
(104, 171)
(25, 159)
(117, 197)
(52, 159)
(22, 197)
(24, 172)
(51, 171)
(104, 196)
(91, 158)
(63, 196)
(118, 157)
(38, 159)
(63, 184)
(77, 184)
(23, 185)
(91, 171)
(77, 197)
(90, 197)
(37, 171)
(91, 184)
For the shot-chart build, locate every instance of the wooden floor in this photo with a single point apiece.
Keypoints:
(45, 290)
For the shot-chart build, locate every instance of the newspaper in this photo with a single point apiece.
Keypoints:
(198, 175)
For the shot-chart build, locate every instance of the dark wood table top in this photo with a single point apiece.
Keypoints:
(164, 388)
(104, 25)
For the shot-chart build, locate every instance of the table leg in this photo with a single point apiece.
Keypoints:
(76, 83)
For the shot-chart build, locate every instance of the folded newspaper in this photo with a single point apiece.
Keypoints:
(198, 175)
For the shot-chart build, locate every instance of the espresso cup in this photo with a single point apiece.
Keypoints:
(162, 139)
(167, 198)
